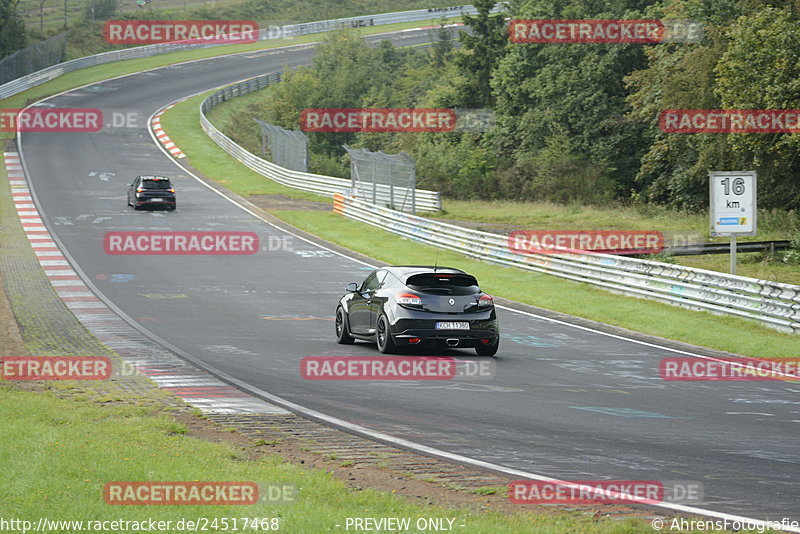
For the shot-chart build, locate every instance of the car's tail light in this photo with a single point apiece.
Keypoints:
(486, 341)
(485, 301)
(414, 340)
(408, 300)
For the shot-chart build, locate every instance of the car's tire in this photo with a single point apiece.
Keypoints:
(383, 338)
(135, 207)
(343, 336)
(490, 350)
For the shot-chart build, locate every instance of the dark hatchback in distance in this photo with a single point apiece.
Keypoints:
(151, 191)
(405, 306)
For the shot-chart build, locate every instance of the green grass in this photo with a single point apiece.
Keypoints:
(699, 328)
(50, 18)
(57, 455)
(51, 14)
(550, 216)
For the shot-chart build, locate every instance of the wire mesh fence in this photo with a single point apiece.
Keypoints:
(35, 57)
(371, 172)
(286, 148)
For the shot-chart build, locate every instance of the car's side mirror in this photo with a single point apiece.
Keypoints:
(352, 287)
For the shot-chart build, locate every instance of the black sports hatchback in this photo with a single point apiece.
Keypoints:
(405, 306)
(151, 191)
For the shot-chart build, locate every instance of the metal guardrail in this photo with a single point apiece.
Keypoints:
(50, 73)
(425, 201)
(725, 248)
(772, 303)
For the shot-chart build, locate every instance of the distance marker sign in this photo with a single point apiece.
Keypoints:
(733, 203)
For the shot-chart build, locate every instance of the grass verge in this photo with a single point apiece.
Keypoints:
(58, 455)
(650, 317)
(549, 216)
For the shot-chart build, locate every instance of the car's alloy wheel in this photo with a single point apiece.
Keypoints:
(343, 336)
(383, 338)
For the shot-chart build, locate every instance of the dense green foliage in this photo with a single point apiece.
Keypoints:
(12, 36)
(573, 122)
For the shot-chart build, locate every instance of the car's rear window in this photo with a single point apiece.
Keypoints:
(443, 284)
(156, 184)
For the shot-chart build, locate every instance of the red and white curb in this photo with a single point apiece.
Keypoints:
(198, 388)
(162, 136)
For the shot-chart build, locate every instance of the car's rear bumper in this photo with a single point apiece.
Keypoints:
(152, 202)
(456, 340)
(481, 332)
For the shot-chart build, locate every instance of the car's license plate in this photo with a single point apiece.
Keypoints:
(452, 326)
(156, 200)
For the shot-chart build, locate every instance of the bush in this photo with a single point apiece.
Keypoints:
(792, 256)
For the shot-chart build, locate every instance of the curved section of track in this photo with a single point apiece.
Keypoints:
(567, 402)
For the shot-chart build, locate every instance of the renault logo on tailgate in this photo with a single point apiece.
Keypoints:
(452, 302)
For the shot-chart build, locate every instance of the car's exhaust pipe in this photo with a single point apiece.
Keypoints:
(452, 342)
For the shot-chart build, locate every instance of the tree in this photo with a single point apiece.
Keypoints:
(13, 36)
(482, 50)
(674, 168)
(749, 59)
(545, 92)
(760, 69)
(443, 46)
